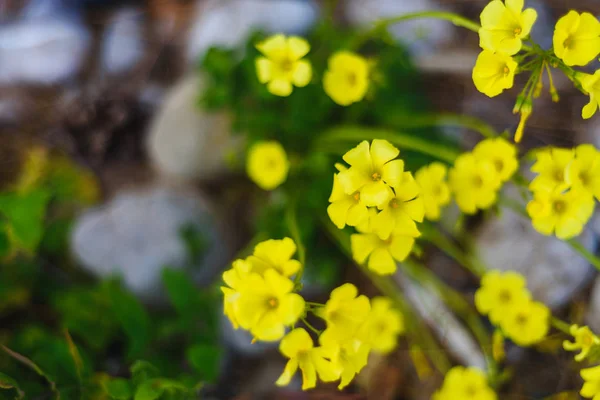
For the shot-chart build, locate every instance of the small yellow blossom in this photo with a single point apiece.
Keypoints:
(299, 348)
(585, 339)
(267, 304)
(348, 358)
(591, 386)
(474, 183)
(435, 192)
(583, 173)
(347, 78)
(382, 327)
(494, 72)
(502, 153)
(499, 292)
(235, 279)
(551, 164)
(401, 211)
(526, 324)
(282, 66)
(576, 38)
(465, 384)
(381, 254)
(346, 209)
(344, 312)
(591, 84)
(372, 171)
(504, 25)
(562, 213)
(267, 164)
(275, 254)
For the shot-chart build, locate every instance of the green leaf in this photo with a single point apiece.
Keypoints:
(149, 390)
(182, 293)
(195, 242)
(142, 371)
(6, 382)
(30, 364)
(205, 359)
(25, 214)
(119, 388)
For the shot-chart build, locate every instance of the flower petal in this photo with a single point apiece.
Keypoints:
(290, 369)
(280, 87)
(381, 261)
(382, 151)
(302, 74)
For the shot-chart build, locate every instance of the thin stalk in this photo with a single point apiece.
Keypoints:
(560, 325)
(309, 326)
(292, 223)
(448, 119)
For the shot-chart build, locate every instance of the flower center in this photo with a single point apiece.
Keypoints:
(376, 176)
(559, 206)
(437, 190)
(521, 320)
(477, 182)
(587, 340)
(568, 42)
(356, 196)
(394, 203)
(584, 178)
(504, 296)
(470, 391)
(517, 31)
(272, 302)
(506, 70)
(286, 64)
(499, 164)
(559, 175)
(352, 79)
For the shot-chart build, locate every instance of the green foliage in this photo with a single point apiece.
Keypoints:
(205, 359)
(24, 214)
(119, 389)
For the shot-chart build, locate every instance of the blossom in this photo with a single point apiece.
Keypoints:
(576, 38)
(502, 153)
(562, 213)
(435, 192)
(235, 279)
(401, 211)
(504, 25)
(267, 304)
(345, 209)
(551, 164)
(372, 171)
(282, 65)
(591, 84)
(382, 327)
(499, 292)
(526, 324)
(494, 72)
(474, 183)
(591, 386)
(299, 348)
(381, 254)
(267, 164)
(583, 173)
(585, 339)
(465, 384)
(344, 312)
(275, 254)
(346, 80)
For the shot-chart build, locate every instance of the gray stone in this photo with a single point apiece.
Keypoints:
(138, 233)
(123, 42)
(186, 142)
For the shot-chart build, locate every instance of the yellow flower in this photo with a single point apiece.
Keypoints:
(499, 292)
(550, 164)
(494, 72)
(465, 384)
(348, 358)
(474, 183)
(372, 171)
(383, 326)
(526, 324)
(346, 208)
(381, 254)
(591, 386)
(435, 192)
(235, 279)
(504, 25)
(267, 304)
(275, 254)
(576, 38)
(583, 173)
(502, 153)
(401, 211)
(299, 348)
(564, 214)
(282, 66)
(267, 164)
(346, 80)
(584, 341)
(344, 312)
(591, 84)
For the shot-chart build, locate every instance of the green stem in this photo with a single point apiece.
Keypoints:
(292, 223)
(446, 119)
(309, 326)
(356, 134)
(560, 325)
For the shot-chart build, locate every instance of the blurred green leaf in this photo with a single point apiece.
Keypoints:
(195, 242)
(119, 388)
(33, 366)
(25, 214)
(142, 371)
(206, 360)
(182, 292)
(6, 382)
(149, 390)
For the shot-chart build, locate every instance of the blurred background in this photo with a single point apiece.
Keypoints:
(101, 115)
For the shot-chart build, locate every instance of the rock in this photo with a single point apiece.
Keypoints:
(185, 142)
(554, 271)
(419, 35)
(228, 24)
(138, 233)
(123, 42)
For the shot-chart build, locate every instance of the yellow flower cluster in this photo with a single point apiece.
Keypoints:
(504, 298)
(381, 200)
(477, 176)
(465, 384)
(585, 340)
(564, 189)
(435, 191)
